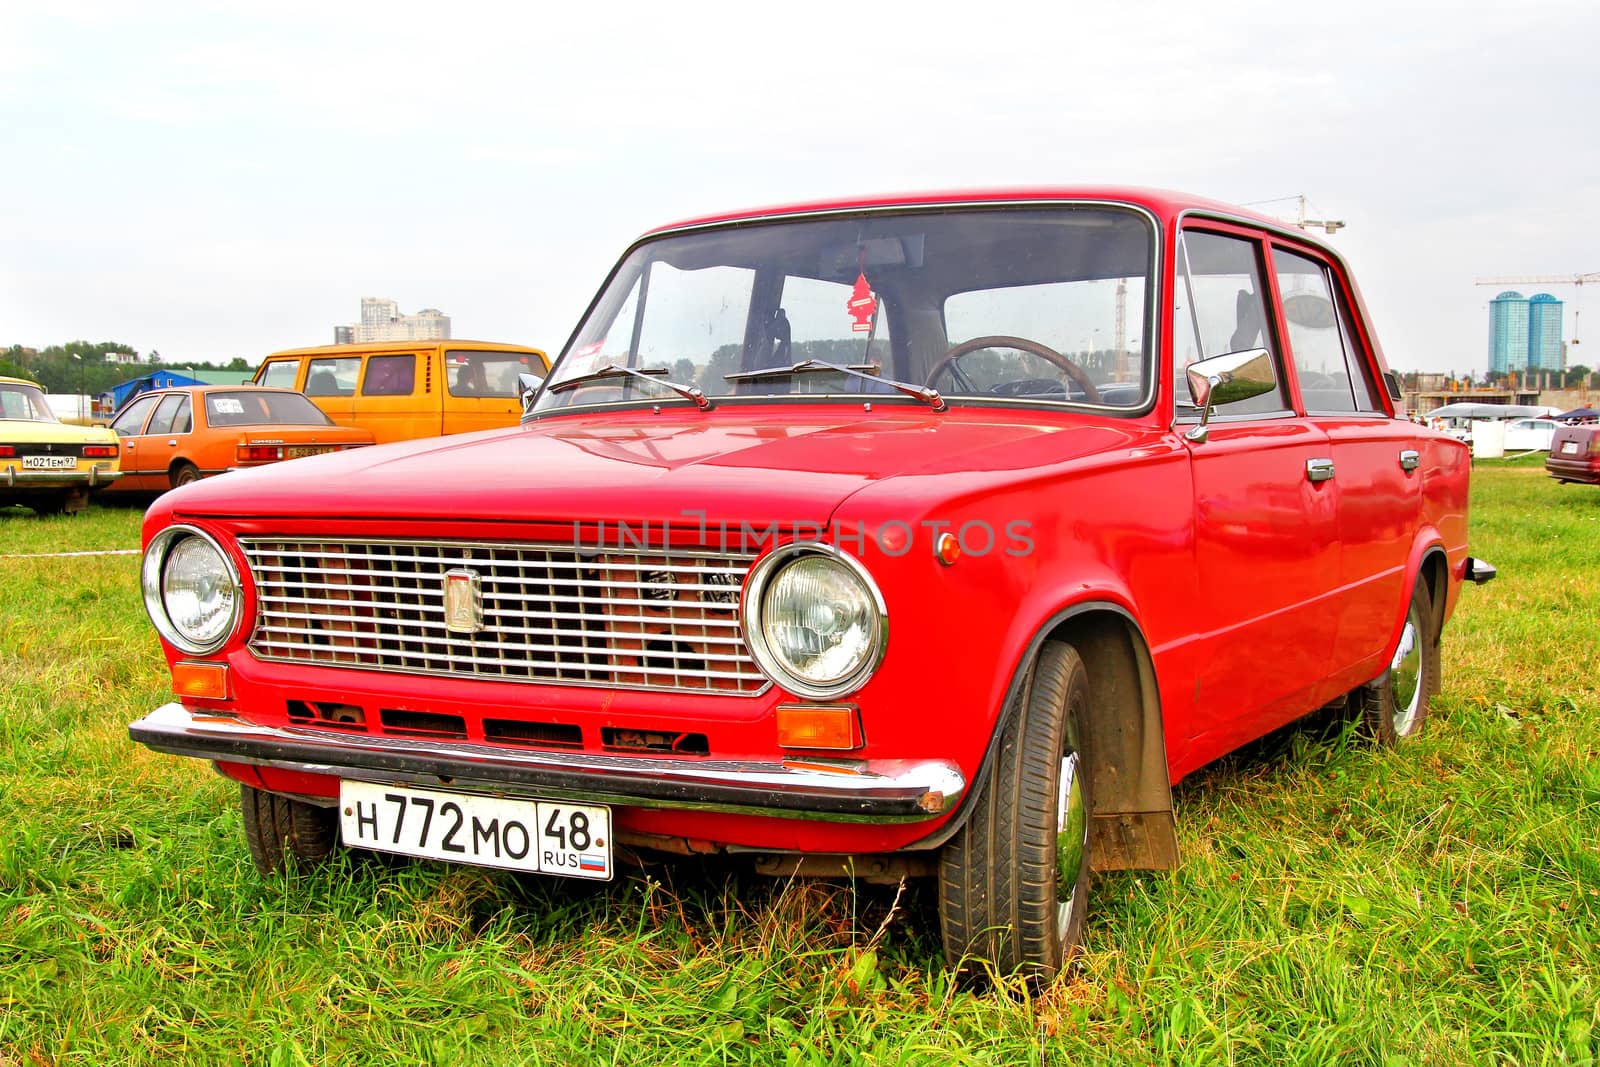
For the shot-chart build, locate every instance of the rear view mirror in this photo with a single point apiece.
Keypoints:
(528, 388)
(1227, 379)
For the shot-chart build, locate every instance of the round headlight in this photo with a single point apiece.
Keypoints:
(191, 591)
(814, 620)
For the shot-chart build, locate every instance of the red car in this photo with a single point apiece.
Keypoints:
(1575, 454)
(930, 536)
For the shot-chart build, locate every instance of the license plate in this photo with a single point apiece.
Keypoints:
(542, 836)
(300, 452)
(1568, 447)
(48, 463)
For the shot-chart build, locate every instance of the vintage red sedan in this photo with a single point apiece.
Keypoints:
(930, 536)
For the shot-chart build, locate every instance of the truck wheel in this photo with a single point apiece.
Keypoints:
(284, 833)
(1014, 881)
(183, 474)
(1396, 705)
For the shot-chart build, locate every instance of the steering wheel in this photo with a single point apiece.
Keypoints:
(947, 362)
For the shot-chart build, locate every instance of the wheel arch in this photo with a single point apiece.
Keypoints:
(1132, 822)
(1431, 566)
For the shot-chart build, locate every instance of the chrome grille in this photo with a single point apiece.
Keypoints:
(551, 614)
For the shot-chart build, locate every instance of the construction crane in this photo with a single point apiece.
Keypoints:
(1551, 279)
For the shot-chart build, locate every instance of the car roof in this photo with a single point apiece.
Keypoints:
(249, 387)
(403, 346)
(20, 381)
(1163, 203)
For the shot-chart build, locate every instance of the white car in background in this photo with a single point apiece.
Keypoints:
(1530, 435)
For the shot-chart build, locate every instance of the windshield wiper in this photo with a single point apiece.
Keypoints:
(926, 394)
(653, 375)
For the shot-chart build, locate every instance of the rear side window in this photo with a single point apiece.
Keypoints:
(1219, 307)
(280, 373)
(389, 376)
(334, 376)
(167, 413)
(1327, 359)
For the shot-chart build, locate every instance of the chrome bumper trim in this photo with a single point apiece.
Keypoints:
(93, 477)
(834, 791)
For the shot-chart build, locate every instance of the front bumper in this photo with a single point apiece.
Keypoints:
(96, 476)
(832, 790)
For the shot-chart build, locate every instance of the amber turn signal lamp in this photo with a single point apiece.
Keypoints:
(947, 548)
(208, 680)
(833, 726)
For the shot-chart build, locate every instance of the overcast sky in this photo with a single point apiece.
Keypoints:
(215, 181)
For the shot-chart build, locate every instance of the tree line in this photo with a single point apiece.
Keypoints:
(84, 366)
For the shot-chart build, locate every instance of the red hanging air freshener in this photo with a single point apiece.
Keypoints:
(863, 305)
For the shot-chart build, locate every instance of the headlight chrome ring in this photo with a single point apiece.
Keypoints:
(867, 619)
(211, 626)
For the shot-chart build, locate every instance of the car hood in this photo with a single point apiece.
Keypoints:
(735, 464)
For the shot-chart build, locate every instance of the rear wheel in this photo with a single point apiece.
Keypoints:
(284, 833)
(183, 474)
(50, 505)
(1396, 705)
(1014, 881)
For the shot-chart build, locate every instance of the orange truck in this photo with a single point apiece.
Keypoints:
(405, 389)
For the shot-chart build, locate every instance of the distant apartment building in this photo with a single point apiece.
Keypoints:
(381, 321)
(1525, 333)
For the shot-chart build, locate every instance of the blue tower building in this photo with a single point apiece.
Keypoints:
(1508, 333)
(1544, 333)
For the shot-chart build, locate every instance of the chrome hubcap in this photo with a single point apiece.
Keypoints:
(1072, 835)
(1405, 676)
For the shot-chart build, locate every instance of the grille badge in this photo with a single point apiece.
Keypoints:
(463, 601)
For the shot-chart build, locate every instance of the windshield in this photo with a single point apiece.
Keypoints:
(263, 408)
(995, 305)
(24, 403)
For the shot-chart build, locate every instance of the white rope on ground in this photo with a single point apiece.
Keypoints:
(69, 555)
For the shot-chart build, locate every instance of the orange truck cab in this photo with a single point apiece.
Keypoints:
(405, 389)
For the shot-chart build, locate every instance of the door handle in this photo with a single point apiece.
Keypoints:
(1409, 458)
(173, 442)
(1319, 470)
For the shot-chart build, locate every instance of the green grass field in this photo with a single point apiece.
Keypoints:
(1438, 904)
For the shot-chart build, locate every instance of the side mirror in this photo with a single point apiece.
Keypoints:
(528, 388)
(1227, 379)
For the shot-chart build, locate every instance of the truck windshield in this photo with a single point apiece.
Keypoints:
(986, 305)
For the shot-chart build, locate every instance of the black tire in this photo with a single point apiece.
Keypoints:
(284, 833)
(1395, 707)
(183, 473)
(999, 876)
(46, 506)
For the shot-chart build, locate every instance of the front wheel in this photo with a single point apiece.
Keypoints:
(1014, 881)
(1396, 705)
(284, 833)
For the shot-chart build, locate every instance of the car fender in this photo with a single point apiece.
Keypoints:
(1132, 823)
